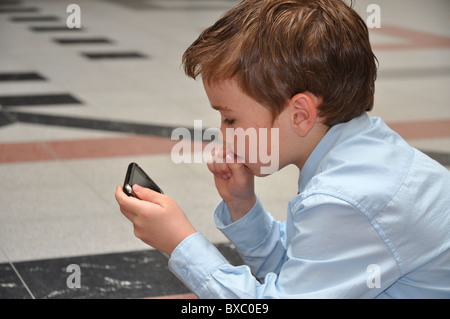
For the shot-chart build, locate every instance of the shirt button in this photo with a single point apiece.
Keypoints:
(184, 271)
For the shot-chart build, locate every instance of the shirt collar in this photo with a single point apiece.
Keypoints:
(335, 135)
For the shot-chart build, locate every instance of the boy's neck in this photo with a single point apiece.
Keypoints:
(310, 142)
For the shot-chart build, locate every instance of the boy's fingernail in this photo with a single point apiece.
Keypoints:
(137, 188)
(230, 158)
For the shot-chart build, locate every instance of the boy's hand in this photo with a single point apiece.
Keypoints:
(158, 220)
(234, 182)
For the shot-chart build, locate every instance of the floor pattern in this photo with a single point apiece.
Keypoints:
(126, 274)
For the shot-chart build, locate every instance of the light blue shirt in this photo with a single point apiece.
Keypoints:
(372, 219)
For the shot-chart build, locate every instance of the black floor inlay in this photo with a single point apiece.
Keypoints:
(35, 19)
(137, 274)
(54, 29)
(114, 55)
(6, 119)
(21, 76)
(19, 10)
(43, 99)
(70, 41)
(11, 286)
(94, 124)
(10, 2)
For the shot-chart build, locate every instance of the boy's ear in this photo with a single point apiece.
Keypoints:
(303, 109)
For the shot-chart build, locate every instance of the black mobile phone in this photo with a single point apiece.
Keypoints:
(136, 175)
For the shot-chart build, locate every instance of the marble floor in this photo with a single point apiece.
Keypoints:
(77, 105)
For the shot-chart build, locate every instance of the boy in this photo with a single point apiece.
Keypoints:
(372, 216)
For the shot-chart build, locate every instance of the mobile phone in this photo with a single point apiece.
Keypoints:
(136, 175)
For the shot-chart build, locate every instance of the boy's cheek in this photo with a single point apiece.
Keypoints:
(241, 153)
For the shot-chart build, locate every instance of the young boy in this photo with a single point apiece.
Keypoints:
(372, 214)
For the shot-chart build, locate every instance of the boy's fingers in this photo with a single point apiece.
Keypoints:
(123, 201)
(220, 169)
(121, 197)
(225, 164)
(147, 194)
(129, 215)
(129, 204)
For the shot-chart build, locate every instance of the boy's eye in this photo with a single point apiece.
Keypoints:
(228, 121)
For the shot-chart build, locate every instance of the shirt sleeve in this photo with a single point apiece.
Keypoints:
(259, 238)
(333, 252)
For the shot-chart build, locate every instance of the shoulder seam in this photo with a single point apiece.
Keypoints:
(364, 211)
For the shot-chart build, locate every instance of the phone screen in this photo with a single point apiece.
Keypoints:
(136, 175)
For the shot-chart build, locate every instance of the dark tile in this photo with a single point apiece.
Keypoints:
(35, 19)
(11, 287)
(18, 9)
(10, 2)
(124, 275)
(70, 41)
(114, 55)
(136, 274)
(43, 99)
(54, 29)
(21, 76)
(6, 119)
(96, 124)
(65, 121)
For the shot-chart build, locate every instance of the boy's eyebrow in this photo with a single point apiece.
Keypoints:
(220, 108)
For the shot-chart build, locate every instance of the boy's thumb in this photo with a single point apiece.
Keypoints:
(235, 165)
(146, 194)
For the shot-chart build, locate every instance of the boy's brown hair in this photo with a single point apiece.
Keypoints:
(278, 48)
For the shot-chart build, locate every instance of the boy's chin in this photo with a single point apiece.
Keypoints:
(261, 171)
(262, 175)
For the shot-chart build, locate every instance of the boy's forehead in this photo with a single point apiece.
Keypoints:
(221, 94)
